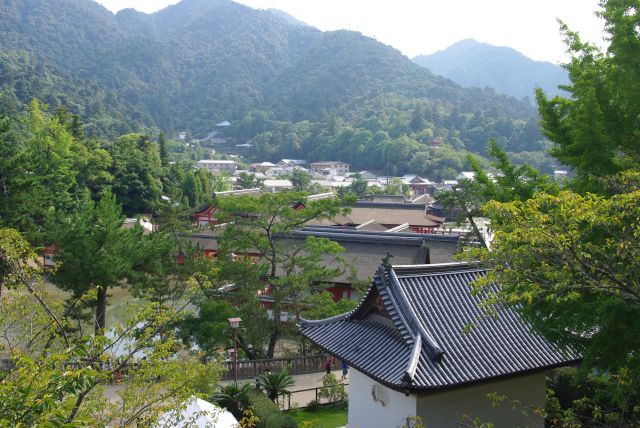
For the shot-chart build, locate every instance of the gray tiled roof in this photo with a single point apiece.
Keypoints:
(419, 328)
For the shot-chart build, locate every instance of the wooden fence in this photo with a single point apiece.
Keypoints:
(250, 369)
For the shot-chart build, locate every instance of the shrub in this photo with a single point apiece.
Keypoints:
(313, 406)
(268, 412)
(332, 389)
(233, 397)
(275, 384)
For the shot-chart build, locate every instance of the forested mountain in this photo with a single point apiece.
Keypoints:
(290, 89)
(471, 63)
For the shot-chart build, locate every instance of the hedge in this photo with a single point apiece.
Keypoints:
(268, 412)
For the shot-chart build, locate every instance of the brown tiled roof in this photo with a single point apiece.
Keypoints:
(360, 215)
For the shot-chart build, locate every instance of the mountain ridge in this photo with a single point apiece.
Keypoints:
(190, 66)
(472, 63)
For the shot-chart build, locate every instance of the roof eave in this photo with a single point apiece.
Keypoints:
(437, 389)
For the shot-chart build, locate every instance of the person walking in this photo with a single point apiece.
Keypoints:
(345, 370)
(329, 364)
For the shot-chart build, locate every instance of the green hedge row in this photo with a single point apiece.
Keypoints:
(268, 412)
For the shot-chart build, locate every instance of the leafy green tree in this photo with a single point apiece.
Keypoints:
(510, 182)
(192, 190)
(37, 171)
(249, 181)
(92, 163)
(595, 131)
(94, 251)
(220, 182)
(207, 328)
(275, 384)
(59, 377)
(570, 261)
(321, 305)
(395, 187)
(332, 389)
(300, 180)
(287, 268)
(136, 171)
(358, 186)
(162, 150)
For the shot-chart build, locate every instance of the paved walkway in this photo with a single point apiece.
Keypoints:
(303, 381)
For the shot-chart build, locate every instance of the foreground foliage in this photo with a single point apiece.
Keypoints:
(275, 384)
(55, 375)
(268, 412)
(572, 262)
(259, 255)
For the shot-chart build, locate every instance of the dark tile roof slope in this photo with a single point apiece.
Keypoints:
(419, 328)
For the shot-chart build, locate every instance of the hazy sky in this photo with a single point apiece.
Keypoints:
(425, 26)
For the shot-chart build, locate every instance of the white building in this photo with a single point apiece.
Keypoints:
(420, 345)
(218, 165)
(330, 168)
(274, 186)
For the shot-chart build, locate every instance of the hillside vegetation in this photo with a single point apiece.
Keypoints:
(290, 89)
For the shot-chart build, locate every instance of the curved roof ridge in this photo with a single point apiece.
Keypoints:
(434, 350)
(305, 322)
(412, 365)
(434, 268)
(395, 312)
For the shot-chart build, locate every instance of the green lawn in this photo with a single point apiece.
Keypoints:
(325, 417)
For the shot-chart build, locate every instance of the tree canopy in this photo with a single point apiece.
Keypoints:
(596, 130)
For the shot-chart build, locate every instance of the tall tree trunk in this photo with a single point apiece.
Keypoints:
(476, 231)
(273, 339)
(101, 310)
(275, 330)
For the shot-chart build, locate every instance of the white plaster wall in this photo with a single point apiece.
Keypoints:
(365, 412)
(445, 409)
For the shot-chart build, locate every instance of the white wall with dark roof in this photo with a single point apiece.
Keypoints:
(448, 408)
(372, 405)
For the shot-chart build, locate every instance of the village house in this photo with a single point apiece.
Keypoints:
(274, 185)
(560, 175)
(419, 186)
(421, 345)
(214, 138)
(329, 168)
(217, 165)
(292, 162)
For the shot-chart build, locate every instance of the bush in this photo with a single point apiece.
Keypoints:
(313, 406)
(233, 397)
(586, 398)
(268, 412)
(332, 389)
(275, 384)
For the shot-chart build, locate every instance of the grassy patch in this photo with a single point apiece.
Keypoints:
(325, 417)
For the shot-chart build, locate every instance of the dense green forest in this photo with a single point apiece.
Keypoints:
(291, 89)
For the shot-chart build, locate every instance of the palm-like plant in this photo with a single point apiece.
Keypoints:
(234, 397)
(275, 384)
